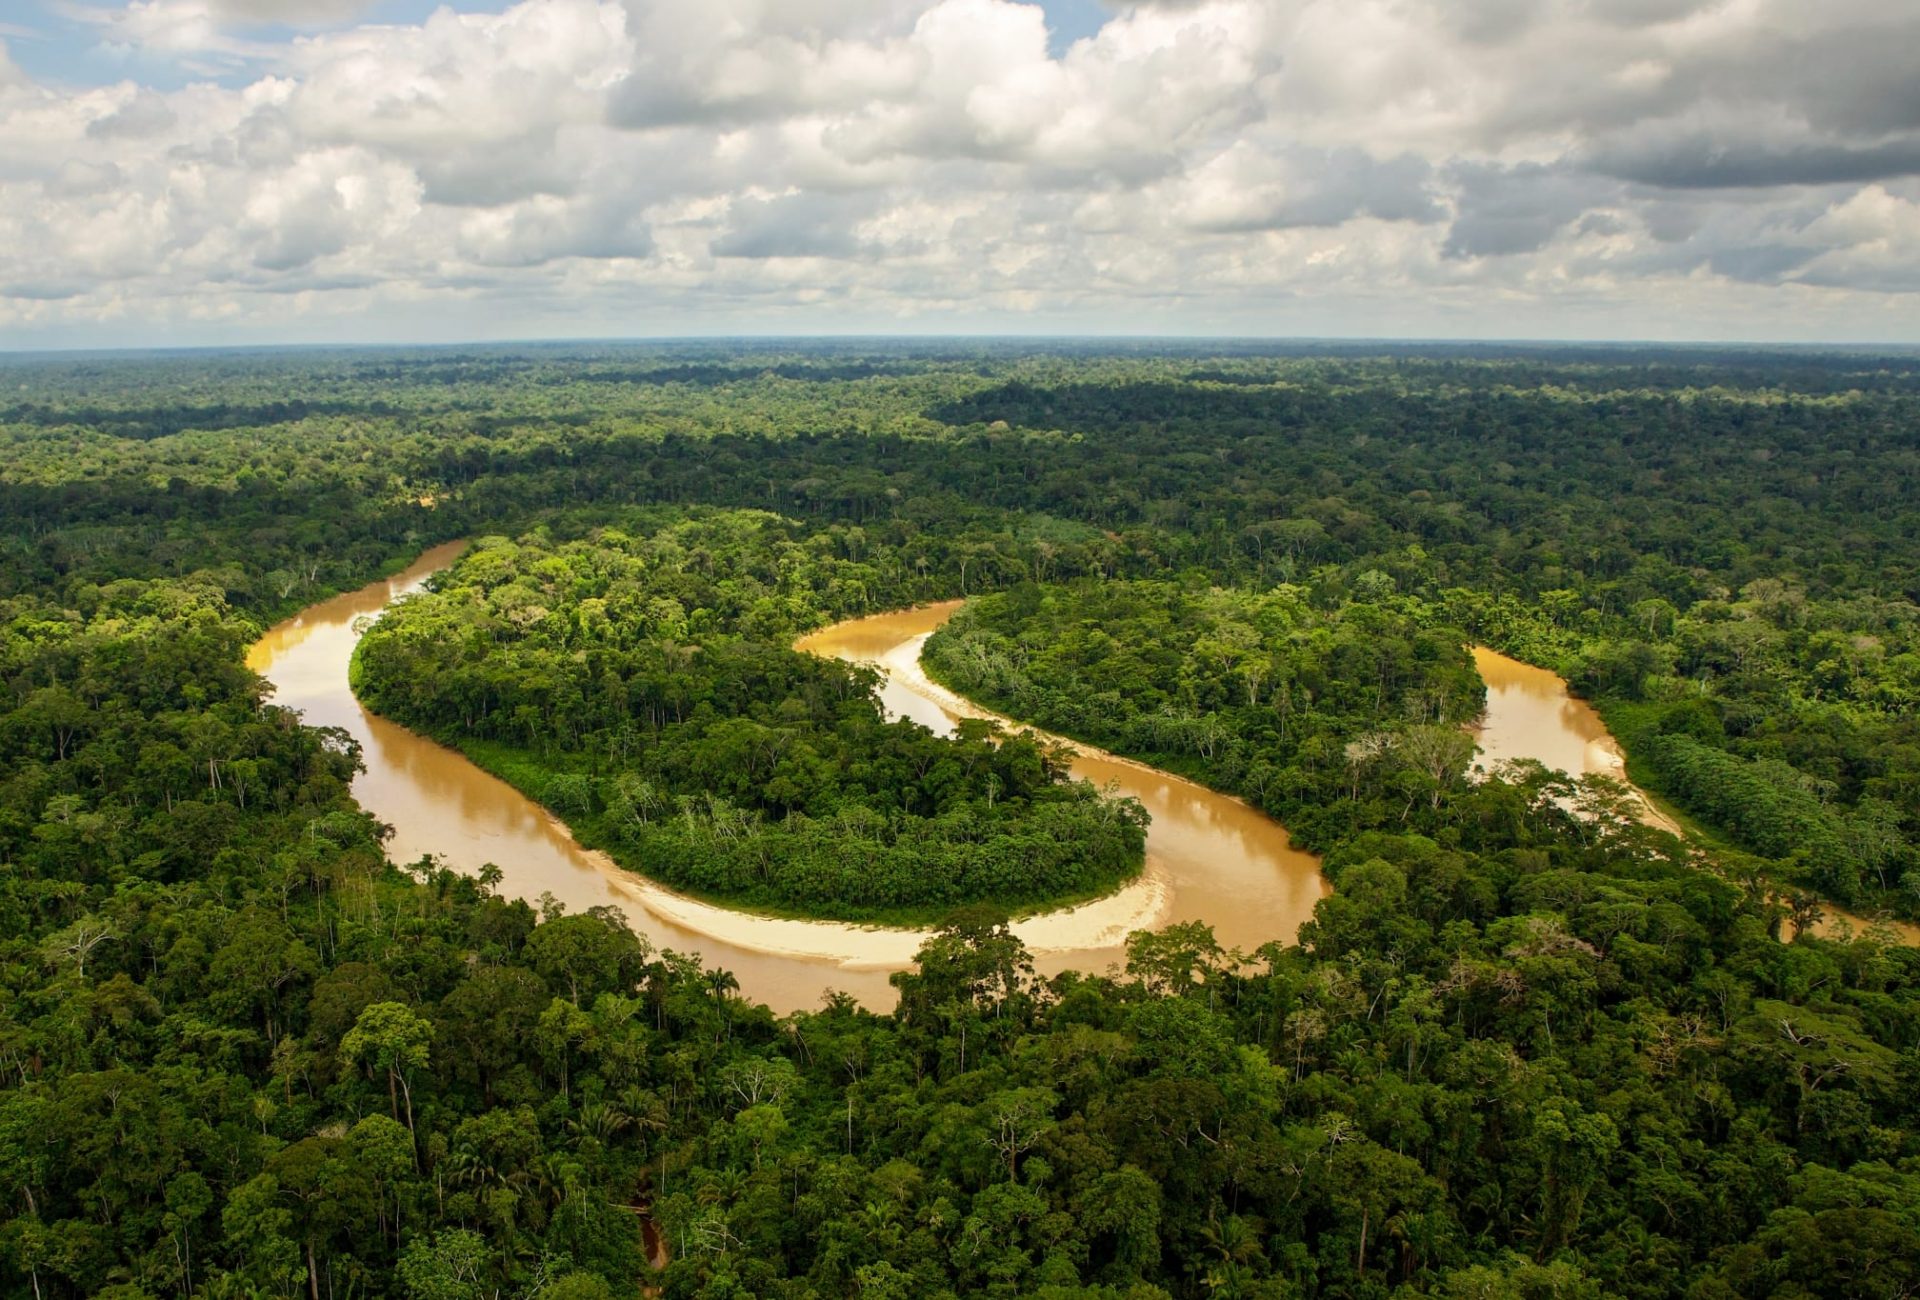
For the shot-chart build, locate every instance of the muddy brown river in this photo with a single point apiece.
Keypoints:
(1531, 715)
(1210, 857)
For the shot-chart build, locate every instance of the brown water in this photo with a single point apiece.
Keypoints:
(1531, 715)
(440, 804)
(1210, 857)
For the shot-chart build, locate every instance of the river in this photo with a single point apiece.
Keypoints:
(1210, 857)
(1531, 715)
(440, 804)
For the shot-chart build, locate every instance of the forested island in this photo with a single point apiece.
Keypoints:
(646, 689)
(1526, 1048)
(1336, 720)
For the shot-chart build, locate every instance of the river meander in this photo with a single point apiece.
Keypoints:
(1531, 715)
(1210, 857)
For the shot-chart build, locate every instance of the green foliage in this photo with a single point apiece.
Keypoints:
(1329, 718)
(1765, 804)
(447, 1266)
(644, 687)
(1515, 1055)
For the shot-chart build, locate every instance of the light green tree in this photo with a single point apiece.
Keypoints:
(389, 1037)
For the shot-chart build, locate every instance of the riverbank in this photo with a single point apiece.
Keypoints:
(1218, 859)
(1567, 730)
(1210, 858)
(527, 775)
(1531, 713)
(1207, 859)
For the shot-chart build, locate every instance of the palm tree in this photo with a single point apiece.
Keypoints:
(644, 1110)
(721, 983)
(1229, 1281)
(600, 1121)
(723, 1187)
(1235, 1241)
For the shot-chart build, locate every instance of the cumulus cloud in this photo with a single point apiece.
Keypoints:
(730, 61)
(795, 225)
(486, 108)
(1506, 210)
(298, 13)
(1293, 165)
(1246, 187)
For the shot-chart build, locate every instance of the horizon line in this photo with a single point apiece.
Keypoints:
(1886, 347)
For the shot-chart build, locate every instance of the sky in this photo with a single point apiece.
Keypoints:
(217, 172)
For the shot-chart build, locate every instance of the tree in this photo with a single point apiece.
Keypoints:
(587, 954)
(1576, 1146)
(974, 961)
(188, 1198)
(77, 942)
(1175, 959)
(383, 1153)
(578, 1286)
(448, 1265)
(388, 1036)
(1439, 754)
(563, 1027)
(1371, 1184)
(256, 1228)
(1124, 1205)
(1017, 1119)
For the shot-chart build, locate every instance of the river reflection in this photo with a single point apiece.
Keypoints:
(1531, 715)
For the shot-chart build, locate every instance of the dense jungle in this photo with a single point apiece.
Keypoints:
(1528, 1047)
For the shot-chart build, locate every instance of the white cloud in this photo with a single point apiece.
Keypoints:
(190, 25)
(326, 203)
(729, 61)
(154, 29)
(1641, 166)
(480, 105)
(1248, 187)
(298, 13)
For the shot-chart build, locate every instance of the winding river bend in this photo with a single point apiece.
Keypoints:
(1531, 715)
(1210, 857)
